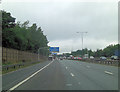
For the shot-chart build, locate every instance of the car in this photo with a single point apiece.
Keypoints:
(68, 57)
(50, 58)
(75, 57)
(79, 58)
(91, 57)
(103, 58)
(114, 57)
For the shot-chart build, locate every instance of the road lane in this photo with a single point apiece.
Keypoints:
(72, 75)
(20, 83)
(13, 78)
(51, 78)
(93, 77)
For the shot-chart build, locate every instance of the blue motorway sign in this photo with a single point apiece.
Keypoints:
(54, 49)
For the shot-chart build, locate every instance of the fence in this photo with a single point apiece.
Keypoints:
(14, 66)
(12, 55)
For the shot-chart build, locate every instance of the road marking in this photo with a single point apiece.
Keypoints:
(66, 67)
(108, 72)
(72, 74)
(79, 83)
(68, 84)
(80, 64)
(20, 83)
(88, 66)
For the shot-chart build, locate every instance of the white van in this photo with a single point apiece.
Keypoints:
(114, 57)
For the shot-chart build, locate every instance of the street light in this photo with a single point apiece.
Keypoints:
(39, 49)
(82, 37)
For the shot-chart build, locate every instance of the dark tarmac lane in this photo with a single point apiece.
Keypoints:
(63, 75)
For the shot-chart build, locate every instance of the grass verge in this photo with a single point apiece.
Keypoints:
(17, 68)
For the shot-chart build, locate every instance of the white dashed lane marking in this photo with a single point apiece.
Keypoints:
(68, 84)
(88, 66)
(108, 73)
(72, 74)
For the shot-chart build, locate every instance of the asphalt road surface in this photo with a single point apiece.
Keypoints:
(63, 75)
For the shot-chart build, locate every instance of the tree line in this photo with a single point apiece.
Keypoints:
(21, 36)
(107, 52)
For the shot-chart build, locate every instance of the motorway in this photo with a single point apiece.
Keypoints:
(62, 75)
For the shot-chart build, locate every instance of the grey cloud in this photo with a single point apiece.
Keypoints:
(60, 21)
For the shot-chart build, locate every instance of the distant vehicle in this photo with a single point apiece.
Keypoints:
(91, 57)
(61, 58)
(79, 58)
(103, 58)
(50, 58)
(75, 57)
(114, 57)
(64, 57)
(72, 57)
(68, 57)
(86, 56)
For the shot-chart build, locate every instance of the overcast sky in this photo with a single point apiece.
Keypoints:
(60, 20)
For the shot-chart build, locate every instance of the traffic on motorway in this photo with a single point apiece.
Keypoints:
(59, 45)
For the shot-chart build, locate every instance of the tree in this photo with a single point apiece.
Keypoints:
(22, 36)
(7, 20)
(107, 51)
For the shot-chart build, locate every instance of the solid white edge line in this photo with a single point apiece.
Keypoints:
(108, 72)
(72, 74)
(29, 77)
